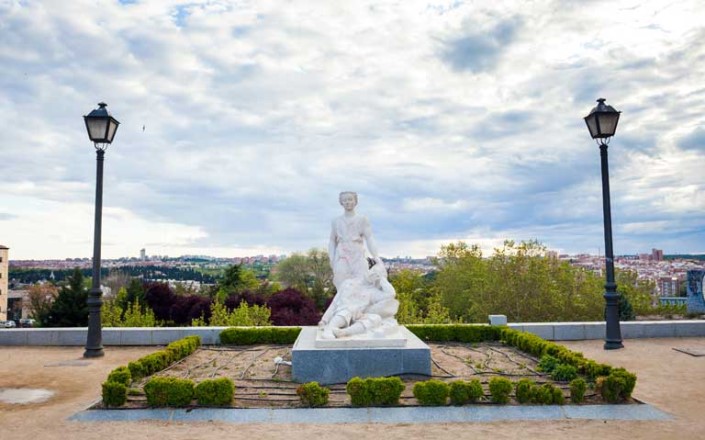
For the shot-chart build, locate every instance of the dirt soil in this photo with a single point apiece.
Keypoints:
(670, 380)
(260, 383)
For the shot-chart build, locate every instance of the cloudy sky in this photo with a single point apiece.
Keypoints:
(242, 120)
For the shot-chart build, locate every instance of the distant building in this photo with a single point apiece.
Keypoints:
(656, 255)
(669, 286)
(4, 276)
(143, 254)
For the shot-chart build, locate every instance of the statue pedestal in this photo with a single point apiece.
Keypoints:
(384, 338)
(362, 357)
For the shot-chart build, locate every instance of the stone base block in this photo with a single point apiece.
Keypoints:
(338, 365)
(392, 337)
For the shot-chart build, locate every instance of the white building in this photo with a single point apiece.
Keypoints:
(4, 276)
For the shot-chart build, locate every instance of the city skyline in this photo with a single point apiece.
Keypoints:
(241, 123)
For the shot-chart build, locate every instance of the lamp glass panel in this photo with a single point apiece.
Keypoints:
(96, 128)
(592, 125)
(608, 123)
(111, 130)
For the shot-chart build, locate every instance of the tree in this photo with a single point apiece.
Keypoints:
(310, 274)
(517, 280)
(40, 298)
(291, 307)
(70, 308)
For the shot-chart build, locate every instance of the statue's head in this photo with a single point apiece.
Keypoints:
(349, 198)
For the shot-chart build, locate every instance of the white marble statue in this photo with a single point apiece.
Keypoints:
(365, 301)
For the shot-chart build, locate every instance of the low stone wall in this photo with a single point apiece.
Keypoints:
(553, 331)
(576, 331)
(111, 335)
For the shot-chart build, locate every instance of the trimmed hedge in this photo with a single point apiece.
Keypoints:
(215, 392)
(120, 375)
(137, 370)
(524, 390)
(159, 360)
(500, 387)
(432, 392)
(259, 335)
(577, 390)
(169, 391)
(375, 391)
(456, 332)
(616, 387)
(312, 394)
(540, 347)
(462, 392)
(114, 394)
(564, 373)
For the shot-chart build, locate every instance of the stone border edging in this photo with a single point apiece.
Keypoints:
(463, 414)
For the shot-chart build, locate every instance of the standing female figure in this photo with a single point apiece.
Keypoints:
(348, 236)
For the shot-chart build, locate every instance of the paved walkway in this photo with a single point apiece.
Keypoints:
(669, 380)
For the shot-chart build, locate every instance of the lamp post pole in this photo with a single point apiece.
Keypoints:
(94, 341)
(602, 124)
(101, 128)
(613, 334)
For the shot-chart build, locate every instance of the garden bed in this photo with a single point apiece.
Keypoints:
(261, 383)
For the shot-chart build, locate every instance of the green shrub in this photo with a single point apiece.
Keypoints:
(462, 392)
(312, 394)
(156, 361)
(114, 394)
(564, 373)
(259, 335)
(577, 390)
(618, 386)
(547, 363)
(558, 397)
(500, 388)
(169, 391)
(455, 332)
(215, 392)
(431, 392)
(120, 375)
(542, 395)
(137, 370)
(593, 370)
(524, 390)
(183, 347)
(375, 391)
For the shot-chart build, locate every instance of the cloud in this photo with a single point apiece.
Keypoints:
(452, 120)
(480, 49)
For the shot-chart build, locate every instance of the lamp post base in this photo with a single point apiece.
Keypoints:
(94, 352)
(613, 345)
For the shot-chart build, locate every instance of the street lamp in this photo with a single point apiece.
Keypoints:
(602, 123)
(101, 127)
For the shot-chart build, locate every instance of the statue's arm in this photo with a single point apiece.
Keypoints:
(332, 242)
(370, 240)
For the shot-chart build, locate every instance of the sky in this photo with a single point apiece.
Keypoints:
(241, 121)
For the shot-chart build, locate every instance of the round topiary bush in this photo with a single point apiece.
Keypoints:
(500, 388)
(462, 392)
(312, 394)
(577, 390)
(215, 392)
(169, 391)
(431, 392)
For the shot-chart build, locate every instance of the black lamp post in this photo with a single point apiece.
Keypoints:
(101, 130)
(602, 123)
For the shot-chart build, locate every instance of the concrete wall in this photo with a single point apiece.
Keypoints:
(554, 331)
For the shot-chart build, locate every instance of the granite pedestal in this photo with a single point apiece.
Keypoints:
(327, 365)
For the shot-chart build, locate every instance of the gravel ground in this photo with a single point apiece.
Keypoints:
(668, 379)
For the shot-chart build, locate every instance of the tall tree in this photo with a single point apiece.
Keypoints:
(40, 298)
(310, 273)
(70, 308)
